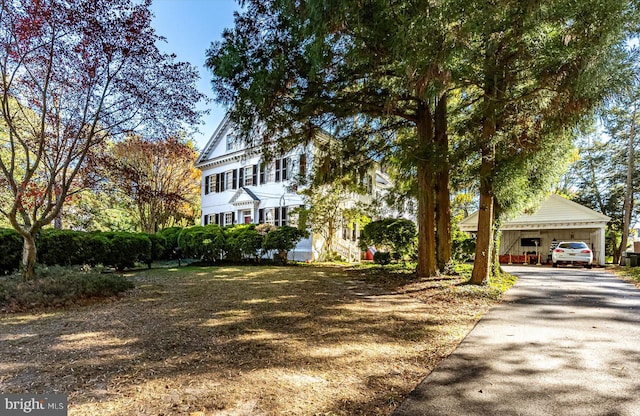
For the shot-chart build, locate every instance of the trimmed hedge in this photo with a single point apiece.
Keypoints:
(10, 250)
(122, 250)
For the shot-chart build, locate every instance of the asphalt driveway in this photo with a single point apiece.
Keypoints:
(564, 342)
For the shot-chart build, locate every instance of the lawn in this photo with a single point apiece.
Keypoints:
(299, 340)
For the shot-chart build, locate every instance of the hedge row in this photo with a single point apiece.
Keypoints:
(121, 250)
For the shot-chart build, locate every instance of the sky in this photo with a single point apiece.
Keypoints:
(189, 27)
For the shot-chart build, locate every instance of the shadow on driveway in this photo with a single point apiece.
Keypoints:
(563, 342)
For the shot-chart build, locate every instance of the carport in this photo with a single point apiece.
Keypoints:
(556, 218)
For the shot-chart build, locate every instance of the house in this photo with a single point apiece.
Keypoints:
(556, 219)
(240, 187)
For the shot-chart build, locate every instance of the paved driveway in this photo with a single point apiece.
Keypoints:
(564, 342)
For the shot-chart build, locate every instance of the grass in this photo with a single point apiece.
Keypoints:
(630, 274)
(303, 340)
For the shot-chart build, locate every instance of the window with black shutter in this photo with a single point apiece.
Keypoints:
(220, 182)
(284, 175)
(234, 184)
(207, 179)
(278, 170)
(263, 173)
(254, 175)
(303, 165)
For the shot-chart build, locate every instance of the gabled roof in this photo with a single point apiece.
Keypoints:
(554, 212)
(214, 139)
(244, 196)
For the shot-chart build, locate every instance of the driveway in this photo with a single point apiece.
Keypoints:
(564, 342)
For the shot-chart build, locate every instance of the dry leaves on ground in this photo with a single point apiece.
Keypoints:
(305, 340)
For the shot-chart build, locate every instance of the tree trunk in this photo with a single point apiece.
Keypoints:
(443, 202)
(482, 262)
(29, 255)
(628, 195)
(426, 196)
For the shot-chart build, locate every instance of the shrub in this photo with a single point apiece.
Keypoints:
(62, 247)
(170, 236)
(242, 242)
(10, 250)
(59, 286)
(397, 235)
(462, 245)
(206, 243)
(283, 239)
(382, 257)
(158, 243)
(123, 249)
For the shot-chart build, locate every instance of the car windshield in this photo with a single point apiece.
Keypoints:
(573, 245)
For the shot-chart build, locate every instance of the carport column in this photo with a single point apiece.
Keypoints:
(601, 248)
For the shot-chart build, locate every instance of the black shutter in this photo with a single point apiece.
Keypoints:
(284, 169)
(207, 179)
(303, 165)
(283, 216)
(241, 178)
(254, 179)
(277, 170)
(206, 220)
(218, 219)
(234, 185)
(277, 217)
(261, 216)
(233, 218)
(263, 173)
(219, 182)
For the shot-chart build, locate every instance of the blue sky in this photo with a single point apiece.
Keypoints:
(190, 26)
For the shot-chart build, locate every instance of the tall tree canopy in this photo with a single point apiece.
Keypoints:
(362, 71)
(380, 74)
(71, 75)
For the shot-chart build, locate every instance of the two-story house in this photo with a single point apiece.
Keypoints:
(240, 187)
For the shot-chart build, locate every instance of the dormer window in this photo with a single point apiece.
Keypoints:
(229, 143)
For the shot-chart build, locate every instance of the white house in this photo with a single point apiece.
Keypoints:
(556, 218)
(238, 187)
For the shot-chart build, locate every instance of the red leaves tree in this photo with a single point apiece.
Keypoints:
(71, 75)
(158, 176)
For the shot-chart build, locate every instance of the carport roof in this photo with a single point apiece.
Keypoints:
(555, 212)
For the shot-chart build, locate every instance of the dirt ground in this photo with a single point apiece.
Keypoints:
(304, 340)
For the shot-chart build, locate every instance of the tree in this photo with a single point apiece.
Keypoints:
(158, 176)
(73, 74)
(533, 71)
(363, 73)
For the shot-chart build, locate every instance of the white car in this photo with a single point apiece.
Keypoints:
(572, 252)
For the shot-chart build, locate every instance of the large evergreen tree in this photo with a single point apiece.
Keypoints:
(361, 70)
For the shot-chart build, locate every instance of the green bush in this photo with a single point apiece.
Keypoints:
(463, 246)
(242, 242)
(206, 243)
(283, 239)
(170, 236)
(62, 247)
(397, 235)
(158, 243)
(123, 249)
(59, 286)
(382, 257)
(10, 250)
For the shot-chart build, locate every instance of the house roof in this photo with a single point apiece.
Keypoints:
(244, 196)
(554, 213)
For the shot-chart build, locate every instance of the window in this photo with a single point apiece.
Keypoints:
(229, 218)
(229, 143)
(303, 165)
(229, 179)
(209, 184)
(248, 174)
(263, 173)
(281, 170)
